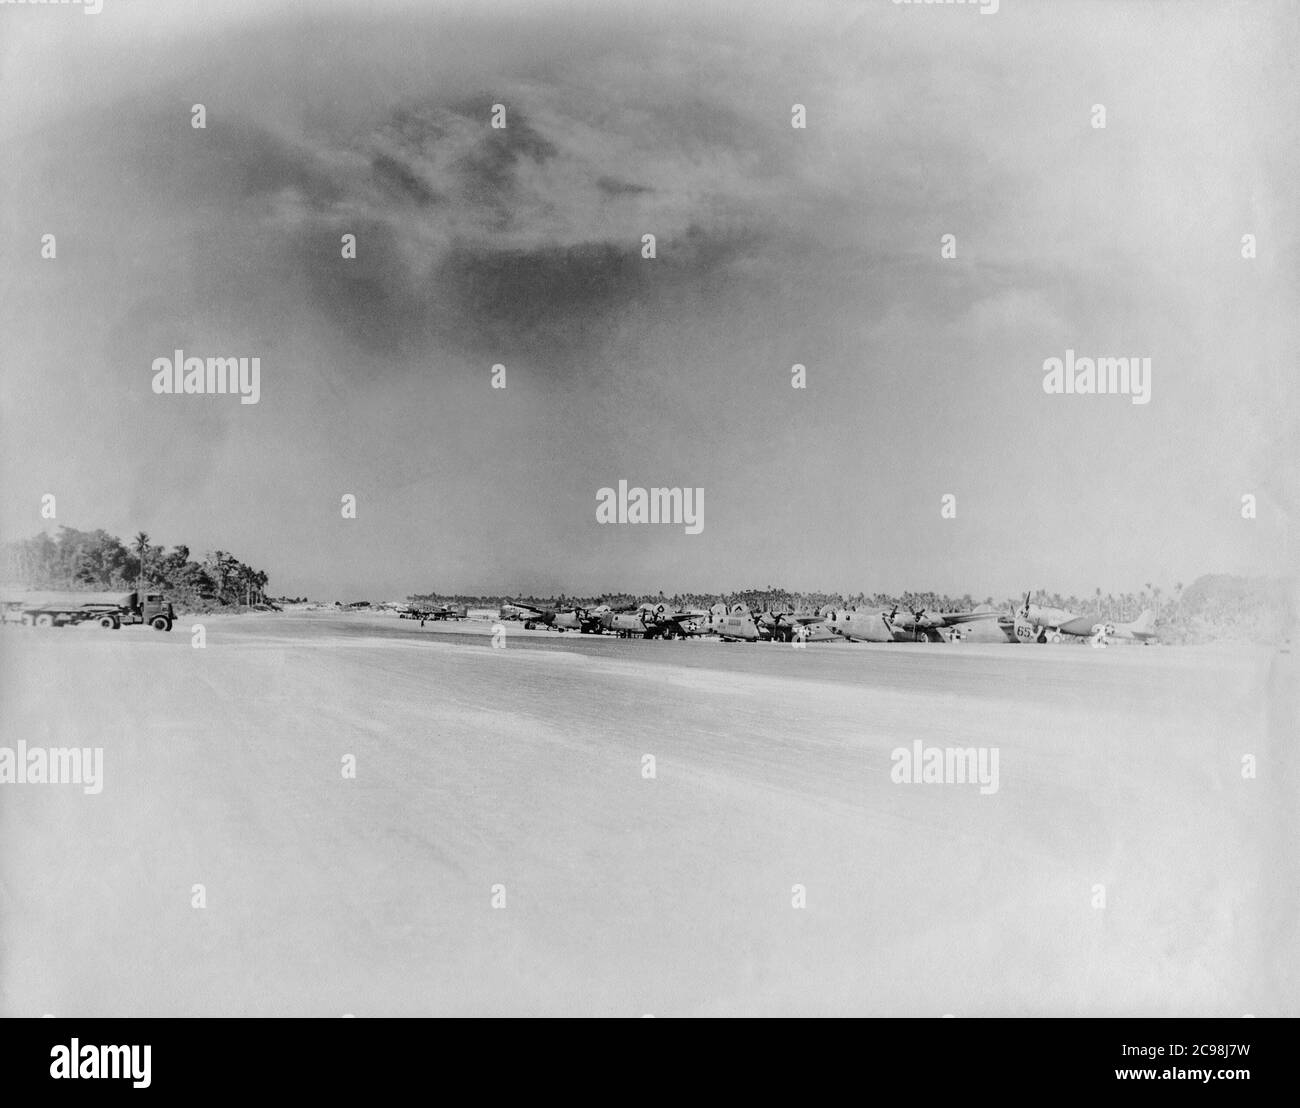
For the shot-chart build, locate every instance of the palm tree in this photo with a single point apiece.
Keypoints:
(225, 567)
(142, 546)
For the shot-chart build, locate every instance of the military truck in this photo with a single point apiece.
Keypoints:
(108, 609)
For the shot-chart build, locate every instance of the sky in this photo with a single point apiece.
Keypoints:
(775, 245)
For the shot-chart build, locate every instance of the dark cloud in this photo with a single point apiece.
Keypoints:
(462, 242)
(402, 181)
(373, 302)
(478, 238)
(610, 186)
(265, 164)
(487, 171)
(560, 298)
(455, 144)
(553, 301)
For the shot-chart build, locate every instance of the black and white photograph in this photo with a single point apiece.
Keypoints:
(674, 508)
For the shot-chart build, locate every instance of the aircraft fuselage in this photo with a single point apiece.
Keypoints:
(862, 626)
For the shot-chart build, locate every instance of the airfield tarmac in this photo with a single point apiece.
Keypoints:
(629, 896)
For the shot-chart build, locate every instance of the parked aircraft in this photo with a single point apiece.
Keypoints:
(738, 624)
(875, 625)
(436, 611)
(648, 621)
(923, 626)
(734, 624)
(789, 626)
(859, 626)
(815, 632)
(559, 619)
(626, 624)
(1037, 623)
(1142, 629)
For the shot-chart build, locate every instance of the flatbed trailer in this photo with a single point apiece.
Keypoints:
(67, 609)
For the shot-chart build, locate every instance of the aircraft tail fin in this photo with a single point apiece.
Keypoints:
(1145, 621)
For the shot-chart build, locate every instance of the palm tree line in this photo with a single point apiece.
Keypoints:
(96, 560)
(1113, 607)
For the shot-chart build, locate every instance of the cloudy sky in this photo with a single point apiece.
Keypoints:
(775, 246)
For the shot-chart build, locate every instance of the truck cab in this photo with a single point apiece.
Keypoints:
(151, 608)
(157, 612)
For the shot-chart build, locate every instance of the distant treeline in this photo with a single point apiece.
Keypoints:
(98, 561)
(1215, 607)
(784, 600)
(1222, 608)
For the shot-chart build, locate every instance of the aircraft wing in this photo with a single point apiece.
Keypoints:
(952, 619)
(527, 608)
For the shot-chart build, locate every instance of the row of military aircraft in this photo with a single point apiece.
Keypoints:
(1028, 623)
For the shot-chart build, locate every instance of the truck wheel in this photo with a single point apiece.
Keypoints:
(160, 623)
(45, 620)
(28, 621)
(106, 621)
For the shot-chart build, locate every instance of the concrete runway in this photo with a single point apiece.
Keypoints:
(626, 895)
